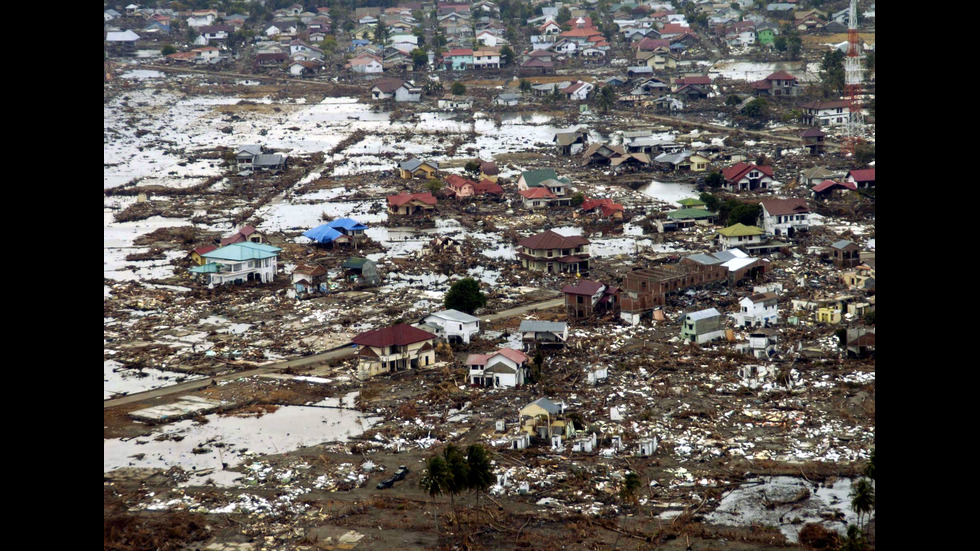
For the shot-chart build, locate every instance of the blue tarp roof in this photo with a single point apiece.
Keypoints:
(348, 224)
(322, 234)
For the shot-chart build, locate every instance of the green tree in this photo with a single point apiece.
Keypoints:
(744, 214)
(458, 474)
(479, 470)
(465, 296)
(606, 98)
(506, 55)
(473, 168)
(853, 541)
(436, 478)
(525, 86)
(458, 89)
(381, 33)
(577, 199)
(869, 469)
(779, 42)
(564, 14)
(864, 153)
(419, 58)
(168, 49)
(191, 34)
(629, 493)
(433, 185)
(713, 179)
(756, 108)
(329, 45)
(794, 45)
(710, 201)
(832, 72)
(733, 100)
(863, 500)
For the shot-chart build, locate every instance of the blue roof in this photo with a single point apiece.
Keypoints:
(245, 250)
(323, 234)
(348, 224)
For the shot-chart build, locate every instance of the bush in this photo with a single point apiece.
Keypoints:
(458, 89)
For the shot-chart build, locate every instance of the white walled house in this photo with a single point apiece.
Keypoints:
(239, 263)
(826, 113)
(504, 368)
(758, 310)
(453, 325)
(207, 54)
(541, 334)
(740, 235)
(785, 217)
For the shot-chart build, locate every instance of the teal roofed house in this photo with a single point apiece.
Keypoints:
(534, 178)
(239, 263)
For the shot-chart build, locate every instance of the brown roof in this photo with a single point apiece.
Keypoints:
(779, 207)
(397, 335)
(388, 85)
(486, 186)
(780, 75)
(537, 193)
(404, 198)
(583, 287)
(551, 240)
(489, 168)
(837, 104)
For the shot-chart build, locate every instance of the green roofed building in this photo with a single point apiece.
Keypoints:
(691, 203)
(740, 234)
(239, 263)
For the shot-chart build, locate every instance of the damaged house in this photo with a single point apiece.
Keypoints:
(239, 263)
(785, 217)
(758, 310)
(255, 157)
(310, 278)
(747, 177)
(361, 271)
(545, 334)
(646, 289)
(409, 204)
(505, 368)
(453, 325)
(703, 326)
(393, 349)
(587, 298)
(552, 252)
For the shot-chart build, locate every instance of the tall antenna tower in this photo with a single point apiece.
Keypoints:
(853, 77)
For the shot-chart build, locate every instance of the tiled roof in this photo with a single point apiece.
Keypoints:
(551, 240)
(397, 335)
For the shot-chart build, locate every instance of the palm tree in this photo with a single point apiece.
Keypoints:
(606, 98)
(863, 499)
(853, 541)
(869, 469)
(631, 485)
(480, 471)
(525, 86)
(458, 474)
(436, 479)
